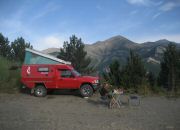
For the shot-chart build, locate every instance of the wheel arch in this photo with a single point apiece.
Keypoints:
(40, 83)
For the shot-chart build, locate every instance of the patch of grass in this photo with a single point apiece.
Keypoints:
(9, 79)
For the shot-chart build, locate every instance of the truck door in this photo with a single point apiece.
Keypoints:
(66, 79)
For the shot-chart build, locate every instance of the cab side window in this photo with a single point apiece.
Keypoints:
(66, 74)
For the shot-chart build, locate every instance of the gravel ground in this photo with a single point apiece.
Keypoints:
(69, 112)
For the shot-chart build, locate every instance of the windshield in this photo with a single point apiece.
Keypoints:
(76, 73)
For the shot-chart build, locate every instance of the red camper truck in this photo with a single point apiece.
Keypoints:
(39, 75)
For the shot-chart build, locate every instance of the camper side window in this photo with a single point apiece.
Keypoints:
(43, 69)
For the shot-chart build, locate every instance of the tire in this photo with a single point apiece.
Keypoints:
(40, 91)
(86, 90)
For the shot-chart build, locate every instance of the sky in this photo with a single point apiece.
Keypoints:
(48, 23)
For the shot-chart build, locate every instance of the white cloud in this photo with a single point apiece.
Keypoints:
(139, 2)
(164, 7)
(156, 15)
(51, 41)
(168, 6)
(50, 7)
(15, 21)
(159, 3)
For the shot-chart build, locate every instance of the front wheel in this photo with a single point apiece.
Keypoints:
(40, 91)
(86, 90)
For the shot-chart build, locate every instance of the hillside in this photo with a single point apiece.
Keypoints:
(103, 52)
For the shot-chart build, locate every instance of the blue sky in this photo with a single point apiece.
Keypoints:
(46, 23)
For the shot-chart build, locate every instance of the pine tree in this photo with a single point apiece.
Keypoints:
(169, 74)
(134, 72)
(113, 75)
(18, 49)
(74, 52)
(5, 48)
(178, 69)
(151, 79)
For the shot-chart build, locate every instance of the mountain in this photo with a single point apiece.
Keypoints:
(52, 51)
(153, 49)
(104, 52)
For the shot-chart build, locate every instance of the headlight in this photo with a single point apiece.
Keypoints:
(96, 81)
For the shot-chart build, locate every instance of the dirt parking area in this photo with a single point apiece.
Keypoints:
(69, 112)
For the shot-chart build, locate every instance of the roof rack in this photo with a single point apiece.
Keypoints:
(47, 56)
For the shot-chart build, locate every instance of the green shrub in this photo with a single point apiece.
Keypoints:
(9, 79)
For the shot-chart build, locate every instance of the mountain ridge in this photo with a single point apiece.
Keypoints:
(118, 47)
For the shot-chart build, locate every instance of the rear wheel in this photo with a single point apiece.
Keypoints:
(40, 91)
(86, 90)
